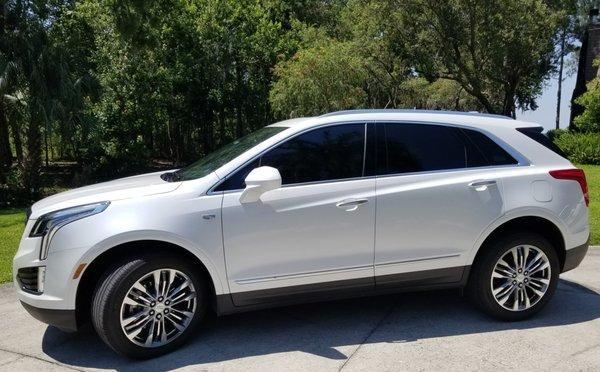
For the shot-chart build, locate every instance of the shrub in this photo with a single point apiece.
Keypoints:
(581, 148)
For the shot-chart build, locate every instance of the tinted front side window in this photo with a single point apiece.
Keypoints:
(329, 153)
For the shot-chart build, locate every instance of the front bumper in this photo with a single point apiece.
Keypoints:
(62, 319)
(57, 288)
(574, 256)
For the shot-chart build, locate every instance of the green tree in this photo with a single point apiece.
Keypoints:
(319, 79)
(589, 120)
(500, 52)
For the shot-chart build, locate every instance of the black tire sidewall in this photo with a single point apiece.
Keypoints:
(118, 288)
(481, 290)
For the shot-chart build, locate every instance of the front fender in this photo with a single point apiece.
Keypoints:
(113, 242)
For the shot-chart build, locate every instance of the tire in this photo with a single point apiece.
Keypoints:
(482, 285)
(109, 307)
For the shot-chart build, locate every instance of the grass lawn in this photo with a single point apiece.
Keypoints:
(592, 173)
(11, 228)
(11, 224)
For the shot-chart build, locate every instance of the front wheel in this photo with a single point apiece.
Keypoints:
(515, 277)
(148, 306)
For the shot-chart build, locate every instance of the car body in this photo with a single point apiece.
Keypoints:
(381, 219)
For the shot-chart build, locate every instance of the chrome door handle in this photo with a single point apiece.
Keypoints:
(481, 185)
(351, 204)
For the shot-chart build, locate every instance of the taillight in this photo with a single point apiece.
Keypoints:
(574, 175)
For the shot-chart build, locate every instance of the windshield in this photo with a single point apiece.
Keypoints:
(225, 154)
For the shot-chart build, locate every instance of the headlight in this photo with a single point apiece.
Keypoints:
(47, 224)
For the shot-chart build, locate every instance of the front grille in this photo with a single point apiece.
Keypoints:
(28, 279)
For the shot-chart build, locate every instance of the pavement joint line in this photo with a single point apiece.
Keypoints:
(24, 356)
(12, 361)
(377, 325)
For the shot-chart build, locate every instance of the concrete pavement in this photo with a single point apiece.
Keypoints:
(414, 331)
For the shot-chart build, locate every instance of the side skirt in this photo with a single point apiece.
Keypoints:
(454, 277)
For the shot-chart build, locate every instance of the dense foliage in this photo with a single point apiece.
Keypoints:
(115, 85)
(581, 143)
(581, 148)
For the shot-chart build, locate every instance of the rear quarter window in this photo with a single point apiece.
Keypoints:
(535, 133)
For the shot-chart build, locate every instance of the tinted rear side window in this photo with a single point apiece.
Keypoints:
(419, 147)
(536, 134)
(494, 154)
(405, 148)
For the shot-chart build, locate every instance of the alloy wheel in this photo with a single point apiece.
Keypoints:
(158, 308)
(521, 278)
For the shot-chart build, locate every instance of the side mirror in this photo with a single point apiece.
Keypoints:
(259, 181)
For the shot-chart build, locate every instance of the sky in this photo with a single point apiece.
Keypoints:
(546, 112)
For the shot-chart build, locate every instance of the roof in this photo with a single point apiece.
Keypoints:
(413, 111)
(468, 119)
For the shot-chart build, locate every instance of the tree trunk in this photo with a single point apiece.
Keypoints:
(17, 141)
(5, 151)
(33, 159)
(560, 76)
(46, 150)
(239, 128)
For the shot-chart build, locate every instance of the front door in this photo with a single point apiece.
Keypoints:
(312, 235)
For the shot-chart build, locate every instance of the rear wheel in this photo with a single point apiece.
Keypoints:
(148, 306)
(515, 277)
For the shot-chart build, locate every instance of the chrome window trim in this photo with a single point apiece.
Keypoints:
(522, 161)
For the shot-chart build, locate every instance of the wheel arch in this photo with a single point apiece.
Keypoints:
(531, 223)
(102, 258)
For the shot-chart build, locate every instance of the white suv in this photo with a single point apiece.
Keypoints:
(349, 203)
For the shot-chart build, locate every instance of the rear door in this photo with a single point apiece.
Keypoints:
(436, 192)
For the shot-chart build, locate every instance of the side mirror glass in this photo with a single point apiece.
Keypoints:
(259, 181)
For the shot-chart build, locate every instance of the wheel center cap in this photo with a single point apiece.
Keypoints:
(160, 307)
(520, 277)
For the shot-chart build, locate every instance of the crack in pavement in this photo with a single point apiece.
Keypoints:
(377, 325)
(22, 356)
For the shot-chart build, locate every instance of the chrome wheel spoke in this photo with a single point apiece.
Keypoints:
(542, 266)
(508, 293)
(136, 325)
(501, 273)
(142, 291)
(172, 274)
(527, 300)
(183, 298)
(536, 260)
(520, 277)
(175, 324)
(163, 331)
(504, 265)
(161, 295)
(135, 299)
(177, 291)
(151, 333)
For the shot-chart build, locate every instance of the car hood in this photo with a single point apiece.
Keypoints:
(123, 188)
